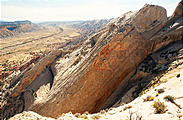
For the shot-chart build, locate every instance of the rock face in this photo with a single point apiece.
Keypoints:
(8, 29)
(89, 78)
(112, 61)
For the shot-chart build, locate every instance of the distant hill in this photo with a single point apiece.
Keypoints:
(8, 29)
(92, 25)
(89, 26)
(6, 23)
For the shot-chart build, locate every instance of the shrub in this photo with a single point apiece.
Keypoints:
(127, 107)
(169, 98)
(161, 90)
(102, 112)
(84, 116)
(149, 98)
(160, 107)
(96, 117)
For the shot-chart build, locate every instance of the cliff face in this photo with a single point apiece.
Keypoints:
(8, 29)
(90, 77)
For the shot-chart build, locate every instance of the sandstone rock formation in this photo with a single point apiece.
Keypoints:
(111, 62)
(91, 77)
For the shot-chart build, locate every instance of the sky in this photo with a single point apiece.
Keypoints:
(71, 10)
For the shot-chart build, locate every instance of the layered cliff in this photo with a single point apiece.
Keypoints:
(8, 29)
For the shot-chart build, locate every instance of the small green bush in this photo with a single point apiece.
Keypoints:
(160, 107)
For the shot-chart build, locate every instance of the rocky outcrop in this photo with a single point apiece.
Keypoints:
(112, 61)
(91, 77)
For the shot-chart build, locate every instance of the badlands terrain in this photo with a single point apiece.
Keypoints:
(126, 68)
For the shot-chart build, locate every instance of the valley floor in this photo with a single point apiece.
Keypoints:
(17, 50)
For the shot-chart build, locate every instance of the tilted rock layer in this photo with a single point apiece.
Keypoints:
(118, 50)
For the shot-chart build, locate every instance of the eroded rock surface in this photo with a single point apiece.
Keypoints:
(91, 84)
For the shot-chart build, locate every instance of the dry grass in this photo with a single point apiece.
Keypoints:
(160, 107)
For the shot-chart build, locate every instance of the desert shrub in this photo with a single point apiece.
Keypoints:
(96, 117)
(148, 98)
(84, 116)
(157, 94)
(161, 90)
(102, 112)
(169, 98)
(160, 107)
(178, 76)
(127, 107)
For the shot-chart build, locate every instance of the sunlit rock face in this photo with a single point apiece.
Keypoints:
(117, 51)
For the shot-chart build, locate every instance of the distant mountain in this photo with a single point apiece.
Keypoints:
(61, 22)
(7, 23)
(89, 26)
(92, 25)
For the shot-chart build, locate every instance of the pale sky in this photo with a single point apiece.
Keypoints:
(70, 10)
